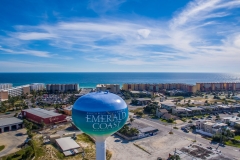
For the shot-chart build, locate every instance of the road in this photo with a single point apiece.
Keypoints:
(226, 150)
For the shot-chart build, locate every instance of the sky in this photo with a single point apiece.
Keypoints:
(120, 36)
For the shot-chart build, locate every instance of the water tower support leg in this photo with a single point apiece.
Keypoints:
(101, 150)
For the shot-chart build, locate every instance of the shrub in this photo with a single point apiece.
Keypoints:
(184, 119)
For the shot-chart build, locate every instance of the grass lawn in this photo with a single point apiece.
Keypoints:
(230, 143)
(237, 137)
(2, 147)
(163, 120)
(136, 110)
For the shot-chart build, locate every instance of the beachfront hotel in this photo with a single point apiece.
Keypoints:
(113, 88)
(222, 86)
(14, 91)
(62, 87)
(5, 86)
(37, 86)
(158, 87)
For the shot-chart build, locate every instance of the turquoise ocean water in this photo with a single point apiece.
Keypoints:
(91, 79)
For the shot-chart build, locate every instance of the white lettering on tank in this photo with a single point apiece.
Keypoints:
(103, 124)
(88, 118)
(95, 119)
(94, 125)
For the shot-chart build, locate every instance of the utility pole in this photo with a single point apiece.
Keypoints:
(175, 154)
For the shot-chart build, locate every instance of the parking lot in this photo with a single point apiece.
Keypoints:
(11, 140)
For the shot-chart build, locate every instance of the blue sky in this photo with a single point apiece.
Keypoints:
(120, 36)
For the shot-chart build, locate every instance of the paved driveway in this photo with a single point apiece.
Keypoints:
(11, 140)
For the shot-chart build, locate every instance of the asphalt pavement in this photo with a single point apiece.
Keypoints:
(228, 151)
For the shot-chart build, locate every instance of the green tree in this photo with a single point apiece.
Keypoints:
(170, 120)
(132, 119)
(174, 157)
(32, 100)
(139, 113)
(42, 124)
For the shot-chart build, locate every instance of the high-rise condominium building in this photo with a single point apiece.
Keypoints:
(222, 86)
(5, 86)
(37, 86)
(158, 87)
(62, 87)
(14, 91)
(113, 88)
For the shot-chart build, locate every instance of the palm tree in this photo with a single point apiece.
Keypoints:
(133, 131)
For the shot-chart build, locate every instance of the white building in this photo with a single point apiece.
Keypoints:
(62, 87)
(68, 146)
(37, 86)
(168, 105)
(4, 86)
(18, 91)
(8, 124)
(232, 120)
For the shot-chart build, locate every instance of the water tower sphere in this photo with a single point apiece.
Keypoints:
(100, 114)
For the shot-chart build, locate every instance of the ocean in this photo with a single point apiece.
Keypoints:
(92, 79)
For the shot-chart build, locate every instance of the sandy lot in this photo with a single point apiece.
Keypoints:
(11, 140)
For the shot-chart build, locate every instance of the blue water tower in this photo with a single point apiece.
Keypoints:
(100, 114)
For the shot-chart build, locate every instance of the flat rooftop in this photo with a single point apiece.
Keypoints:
(195, 108)
(182, 108)
(143, 99)
(168, 103)
(69, 108)
(9, 121)
(67, 143)
(42, 112)
(233, 118)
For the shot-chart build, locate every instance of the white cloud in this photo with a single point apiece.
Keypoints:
(26, 64)
(34, 36)
(102, 6)
(27, 52)
(144, 32)
(195, 34)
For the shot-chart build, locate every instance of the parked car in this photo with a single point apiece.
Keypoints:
(209, 148)
(194, 118)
